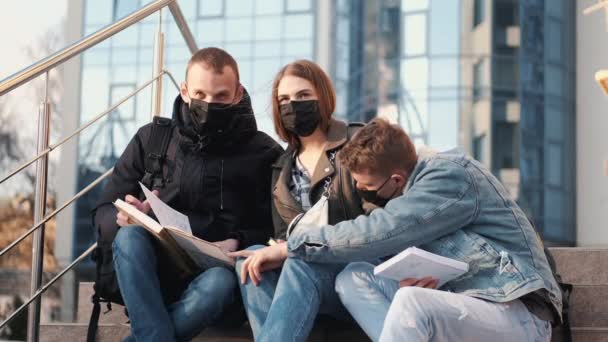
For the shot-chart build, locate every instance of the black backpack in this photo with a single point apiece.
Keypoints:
(106, 288)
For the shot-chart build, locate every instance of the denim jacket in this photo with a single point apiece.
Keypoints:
(452, 206)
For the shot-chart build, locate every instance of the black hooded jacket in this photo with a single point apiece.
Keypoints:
(220, 181)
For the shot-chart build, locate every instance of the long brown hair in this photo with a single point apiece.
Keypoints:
(324, 88)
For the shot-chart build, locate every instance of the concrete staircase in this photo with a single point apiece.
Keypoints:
(585, 268)
(114, 327)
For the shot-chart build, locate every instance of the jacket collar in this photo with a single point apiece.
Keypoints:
(336, 138)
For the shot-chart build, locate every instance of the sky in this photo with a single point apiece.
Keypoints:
(22, 23)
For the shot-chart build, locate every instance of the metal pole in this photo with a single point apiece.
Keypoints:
(80, 46)
(157, 86)
(182, 24)
(33, 322)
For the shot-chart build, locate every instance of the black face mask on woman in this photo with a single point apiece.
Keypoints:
(300, 117)
(212, 117)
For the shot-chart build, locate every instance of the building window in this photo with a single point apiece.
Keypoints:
(479, 147)
(478, 81)
(414, 34)
(122, 8)
(506, 149)
(126, 111)
(479, 10)
(210, 8)
(553, 165)
(298, 6)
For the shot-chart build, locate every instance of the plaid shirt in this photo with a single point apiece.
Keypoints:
(300, 184)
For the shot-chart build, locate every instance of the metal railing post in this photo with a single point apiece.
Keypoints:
(157, 86)
(33, 322)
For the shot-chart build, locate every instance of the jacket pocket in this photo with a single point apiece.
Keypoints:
(490, 271)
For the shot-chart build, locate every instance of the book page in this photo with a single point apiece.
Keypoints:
(203, 253)
(167, 216)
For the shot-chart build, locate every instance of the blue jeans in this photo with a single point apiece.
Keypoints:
(161, 307)
(283, 307)
(387, 313)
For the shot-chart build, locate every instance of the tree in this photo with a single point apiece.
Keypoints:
(16, 330)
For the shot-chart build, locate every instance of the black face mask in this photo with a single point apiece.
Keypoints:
(301, 117)
(211, 117)
(371, 196)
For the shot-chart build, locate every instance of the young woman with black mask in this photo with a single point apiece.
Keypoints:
(283, 299)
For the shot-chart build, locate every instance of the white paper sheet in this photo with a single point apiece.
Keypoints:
(167, 216)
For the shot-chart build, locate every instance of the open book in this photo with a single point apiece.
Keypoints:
(173, 230)
(417, 263)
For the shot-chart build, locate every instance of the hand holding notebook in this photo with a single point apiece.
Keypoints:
(173, 231)
(417, 263)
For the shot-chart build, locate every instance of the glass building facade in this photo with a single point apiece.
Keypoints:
(400, 60)
(493, 77)
(262, 35)
(523, 106)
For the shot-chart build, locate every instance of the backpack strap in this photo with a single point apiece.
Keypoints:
(155, 154)
(94, 320)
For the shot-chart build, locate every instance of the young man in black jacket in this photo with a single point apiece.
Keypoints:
(217, 171)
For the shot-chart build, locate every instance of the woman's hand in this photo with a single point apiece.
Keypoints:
(261, 260)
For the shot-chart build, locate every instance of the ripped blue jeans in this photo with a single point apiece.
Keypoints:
(387, 313)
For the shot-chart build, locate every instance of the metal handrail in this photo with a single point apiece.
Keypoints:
(92, 184)
(44, 66)
(95, 38)
(181, 23)
(51, 282)
(87, 124)
(57, 211)
(172, 78)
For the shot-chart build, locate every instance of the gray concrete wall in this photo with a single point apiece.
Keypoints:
(591, 130)
(66, 186)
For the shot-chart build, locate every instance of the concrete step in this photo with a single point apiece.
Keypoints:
(590, 334)
(582, 335)
(117, 320)
(586, 310)
(589, 306)
(582, 266)
(117, 332)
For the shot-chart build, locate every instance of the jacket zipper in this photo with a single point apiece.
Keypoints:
(222, 186)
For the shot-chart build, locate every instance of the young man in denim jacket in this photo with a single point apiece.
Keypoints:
(445, 203)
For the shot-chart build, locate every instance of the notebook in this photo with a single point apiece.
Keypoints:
(417, 263)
